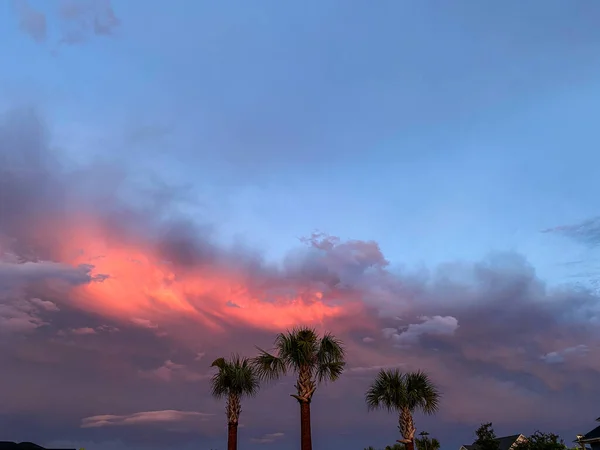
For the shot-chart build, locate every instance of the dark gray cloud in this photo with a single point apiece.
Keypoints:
(82, 19)
(20, 272)
(31, 21)
(78, 20)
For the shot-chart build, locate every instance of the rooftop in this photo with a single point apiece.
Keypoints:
(505, 442)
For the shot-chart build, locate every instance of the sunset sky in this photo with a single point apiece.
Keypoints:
(182, 180)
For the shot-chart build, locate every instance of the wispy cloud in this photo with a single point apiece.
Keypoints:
(367, 369)
(144, 323)
(21, 315)
(83, 331)
(144, 418)
(268, 438)
(586, 232)
(171, 371)
(559, 356)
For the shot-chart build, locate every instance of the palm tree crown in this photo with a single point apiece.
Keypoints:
(404, 393)
(301, 350)
(235, 376)
(393, 390)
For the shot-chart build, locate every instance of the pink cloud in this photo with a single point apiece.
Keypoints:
(144, 418)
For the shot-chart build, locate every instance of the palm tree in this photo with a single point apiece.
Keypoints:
(235, 379)
(314, 359)
(425, 443)
(403, 393)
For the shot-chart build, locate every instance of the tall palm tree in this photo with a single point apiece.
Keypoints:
(314, 359)
(403, 393)
(235, 379)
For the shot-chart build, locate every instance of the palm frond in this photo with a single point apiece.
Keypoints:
(422, 392)
(267, 366)
(219, 362)
(331, 348)
(330, 358)
(330, 371)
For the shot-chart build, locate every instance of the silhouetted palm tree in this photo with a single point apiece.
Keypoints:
(235, 379)
(314, 359)
(425, 443)
(404, 393)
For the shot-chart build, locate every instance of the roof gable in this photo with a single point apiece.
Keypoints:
(504, 442)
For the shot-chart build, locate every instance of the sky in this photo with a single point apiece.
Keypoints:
(183, 180)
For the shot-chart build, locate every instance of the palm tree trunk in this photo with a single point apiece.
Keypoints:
(232, 429)
(233, 409)
(305, 433)
(406, 426)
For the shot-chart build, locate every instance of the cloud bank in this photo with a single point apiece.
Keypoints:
(117, 305)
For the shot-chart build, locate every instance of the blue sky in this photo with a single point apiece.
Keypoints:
(441, 130)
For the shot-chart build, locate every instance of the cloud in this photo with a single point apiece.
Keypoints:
(26, 272)
(433, 326)
(84, 18)
(586, 232)
(171, 371)
(31, 21)
(557, 357)
(44, 304)
(375, 368)
(154, 418)
(145, 323)
(77, 20)
(20, 315)
(83, 331)
(268, 438)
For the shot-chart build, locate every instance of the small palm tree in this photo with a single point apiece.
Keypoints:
(425, 443)
(403, 393)
(236, 378)
(394, 447)
(314, 359)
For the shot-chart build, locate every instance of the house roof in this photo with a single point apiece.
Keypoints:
(505, 442)
(7, 445)
(593, 435)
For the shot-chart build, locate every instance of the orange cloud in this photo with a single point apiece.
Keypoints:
(141, 287)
